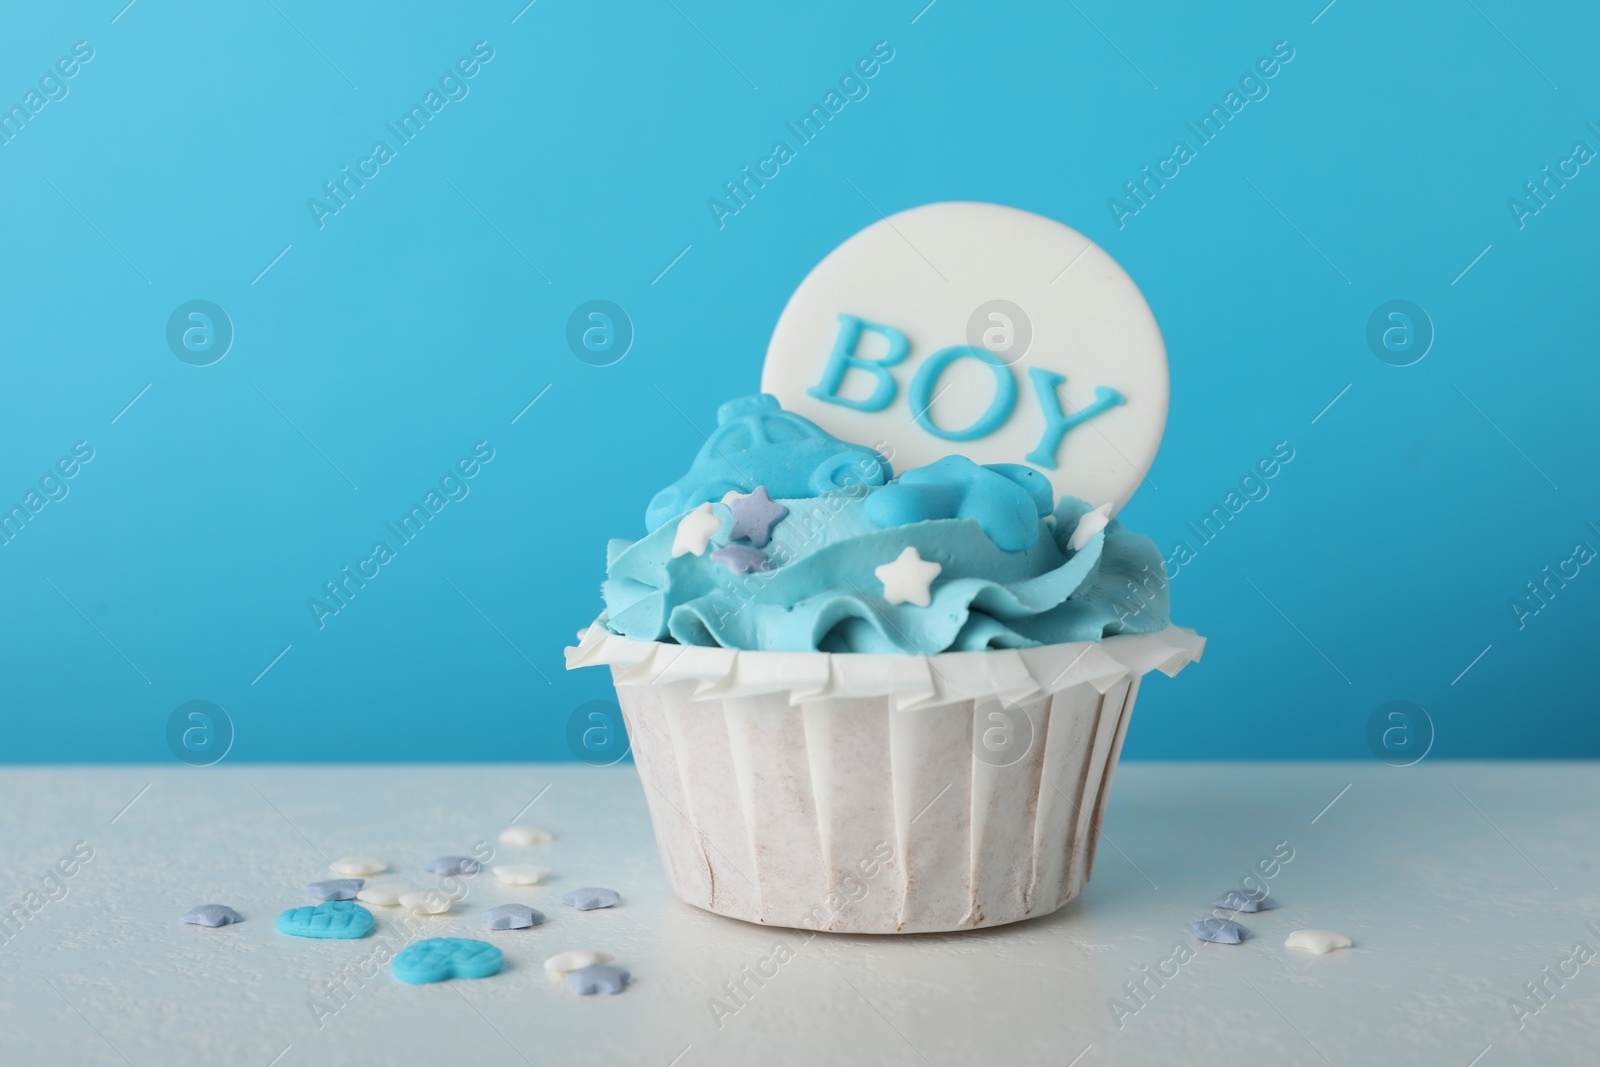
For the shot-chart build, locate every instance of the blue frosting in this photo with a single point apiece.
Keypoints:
(1007, 578)
(757, 443)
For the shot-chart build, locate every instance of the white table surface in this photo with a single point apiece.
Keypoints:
(1458, 883)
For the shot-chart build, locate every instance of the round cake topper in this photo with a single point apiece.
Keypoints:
(981, 330)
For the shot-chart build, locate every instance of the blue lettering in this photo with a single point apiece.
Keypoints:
(1056, 424)
(844, 358)
(1000, 408)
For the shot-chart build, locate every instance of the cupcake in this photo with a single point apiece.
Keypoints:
(882, 688)
(875, 703)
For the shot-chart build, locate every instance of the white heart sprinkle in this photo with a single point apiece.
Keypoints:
(430, 902)
(576, 960)
(520, 873)
(385, 894)
(359, 866)
(1319, 941)
(524, 835)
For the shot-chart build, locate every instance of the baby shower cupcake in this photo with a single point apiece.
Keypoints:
(876, 701)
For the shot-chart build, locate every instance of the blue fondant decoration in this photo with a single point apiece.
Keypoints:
(1000, 408)
(598, 979)
(957, 488)
(741, 559)
(757, 443)
(591, 897)
(212, 915)
(844, 358)
(1219, 931)
(333, 919)
(512, 917)
(335, 888)
(754, 516)
(1037, 485)
(436, 958)
(1056, 424)
(447, 865)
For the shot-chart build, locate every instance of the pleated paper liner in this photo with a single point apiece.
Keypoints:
(857, 793)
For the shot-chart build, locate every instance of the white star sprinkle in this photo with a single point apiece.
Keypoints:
(906, 580)
(694, 531)
(1091, 523)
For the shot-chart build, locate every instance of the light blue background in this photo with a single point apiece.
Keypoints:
(411, 327)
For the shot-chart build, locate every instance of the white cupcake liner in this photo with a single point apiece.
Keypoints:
(842, 792)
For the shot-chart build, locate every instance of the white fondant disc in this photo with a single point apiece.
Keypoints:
(1030, 292)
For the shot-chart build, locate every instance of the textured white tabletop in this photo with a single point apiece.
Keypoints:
(1459, 883)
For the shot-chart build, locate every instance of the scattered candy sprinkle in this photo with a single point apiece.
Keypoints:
(359, 866)
(446, 865)
(332, 919)
(211, 915)
(425, 902)
(576, 960)
(512, 917)
(436, 958)
(589, 898)
(335, 889)
(1238, 900)
(1320, 942)
(599, 979)
(385, 894)
(520, 873)
(1219, 931)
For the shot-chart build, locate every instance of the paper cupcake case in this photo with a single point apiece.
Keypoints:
(844, 793)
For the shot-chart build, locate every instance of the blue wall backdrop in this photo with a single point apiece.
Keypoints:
(379, 339)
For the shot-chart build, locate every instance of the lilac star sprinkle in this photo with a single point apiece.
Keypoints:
(1219, 931)
(512, 917)
(212, 915)
(336, 888)
(590, 898)
(754, 516)
(447, 865)
(601, 979)
(1238, 900)
(741, 560)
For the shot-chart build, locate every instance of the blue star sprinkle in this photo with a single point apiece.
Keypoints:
(590, 898)
(599, 979)
(447, 865)
(754, 516)
(1219, 931)
(336, 888)
(741, 560)
(512, 917)
(212, 915)
(1239, 900)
